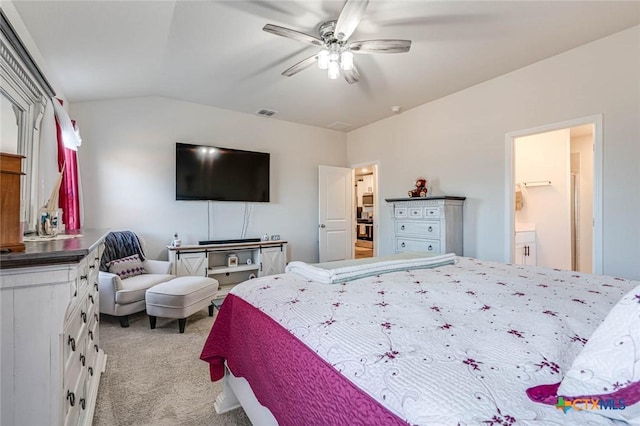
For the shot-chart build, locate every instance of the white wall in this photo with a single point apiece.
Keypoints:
(8, 127)
(545, 157)
(127, 161)
(16, 22)
(458, 143)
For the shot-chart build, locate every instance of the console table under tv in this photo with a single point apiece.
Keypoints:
(254, 259)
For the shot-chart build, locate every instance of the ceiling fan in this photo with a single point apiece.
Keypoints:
(336, 54)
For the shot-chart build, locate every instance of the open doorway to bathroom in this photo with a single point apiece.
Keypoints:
(555, 182)
(366, 199)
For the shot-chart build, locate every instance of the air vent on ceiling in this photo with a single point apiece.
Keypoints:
(339, 125)
(266, 112)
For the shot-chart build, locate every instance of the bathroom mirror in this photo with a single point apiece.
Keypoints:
(24, 92)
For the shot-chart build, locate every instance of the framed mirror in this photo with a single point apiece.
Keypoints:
(24, 92)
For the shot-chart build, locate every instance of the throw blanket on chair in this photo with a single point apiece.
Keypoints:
(117, 245)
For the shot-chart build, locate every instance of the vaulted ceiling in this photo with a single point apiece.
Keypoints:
(215, 52)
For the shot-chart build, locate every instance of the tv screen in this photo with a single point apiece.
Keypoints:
(221, 174)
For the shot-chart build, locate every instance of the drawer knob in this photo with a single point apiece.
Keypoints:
(402, 245)
(83, 360)
(71, 341)
(430, 247)
(83, 403)
(91, 335)
(91, 371)
(402, 227)
(83, 315)
(96, 317)
(92, 266)
(71, 397)
(95, 347)
(95, 285)
(430, 229)
(83, 277)
(91, 298)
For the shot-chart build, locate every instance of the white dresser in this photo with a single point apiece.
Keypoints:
(428, 224)
(51, 360)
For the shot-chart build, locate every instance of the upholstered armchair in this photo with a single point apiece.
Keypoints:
(125, 275)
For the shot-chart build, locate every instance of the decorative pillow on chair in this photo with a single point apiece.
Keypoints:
(608, 367)
(126, 267)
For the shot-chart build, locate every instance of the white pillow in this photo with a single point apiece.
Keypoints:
(126, 267)
(608, 367)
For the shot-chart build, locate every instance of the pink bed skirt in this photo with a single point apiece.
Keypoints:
(287, 377)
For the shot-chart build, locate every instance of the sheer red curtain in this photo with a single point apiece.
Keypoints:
(69, 197)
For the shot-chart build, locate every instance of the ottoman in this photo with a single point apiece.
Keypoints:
(179, 298)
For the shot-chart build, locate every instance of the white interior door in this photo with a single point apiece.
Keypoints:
(336, 214)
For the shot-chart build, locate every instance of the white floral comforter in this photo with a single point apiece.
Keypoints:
(458, 344)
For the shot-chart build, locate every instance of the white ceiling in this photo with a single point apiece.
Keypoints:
(215, 52)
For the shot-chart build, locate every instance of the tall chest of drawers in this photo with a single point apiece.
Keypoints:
(51, 355)
(428, 224)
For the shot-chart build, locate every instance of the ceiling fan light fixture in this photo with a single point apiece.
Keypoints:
(346, 60)
(334, 70)
(323, 59)
(336, 51)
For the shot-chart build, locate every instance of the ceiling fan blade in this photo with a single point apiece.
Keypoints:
(293, 34)
(352, 75)
(380, 46)
(349, 18)
(303, 64)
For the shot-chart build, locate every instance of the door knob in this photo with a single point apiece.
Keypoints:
(323, 226)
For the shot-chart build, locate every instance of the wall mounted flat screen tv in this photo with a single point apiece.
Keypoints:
(221, 174)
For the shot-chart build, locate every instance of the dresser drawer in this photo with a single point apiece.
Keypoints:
(94, 260)
(431, 213)
(92, 346)
(92, 303)
(74, 332)
(75, 401)
(75, 368)
(426, 229)
(93, 332)
(83, 275)
(415, 212)
(401, 212)
(415, 244)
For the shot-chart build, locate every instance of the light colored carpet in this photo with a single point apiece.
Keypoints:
(155, 377)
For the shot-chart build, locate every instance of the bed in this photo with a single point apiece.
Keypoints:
(465, 343)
